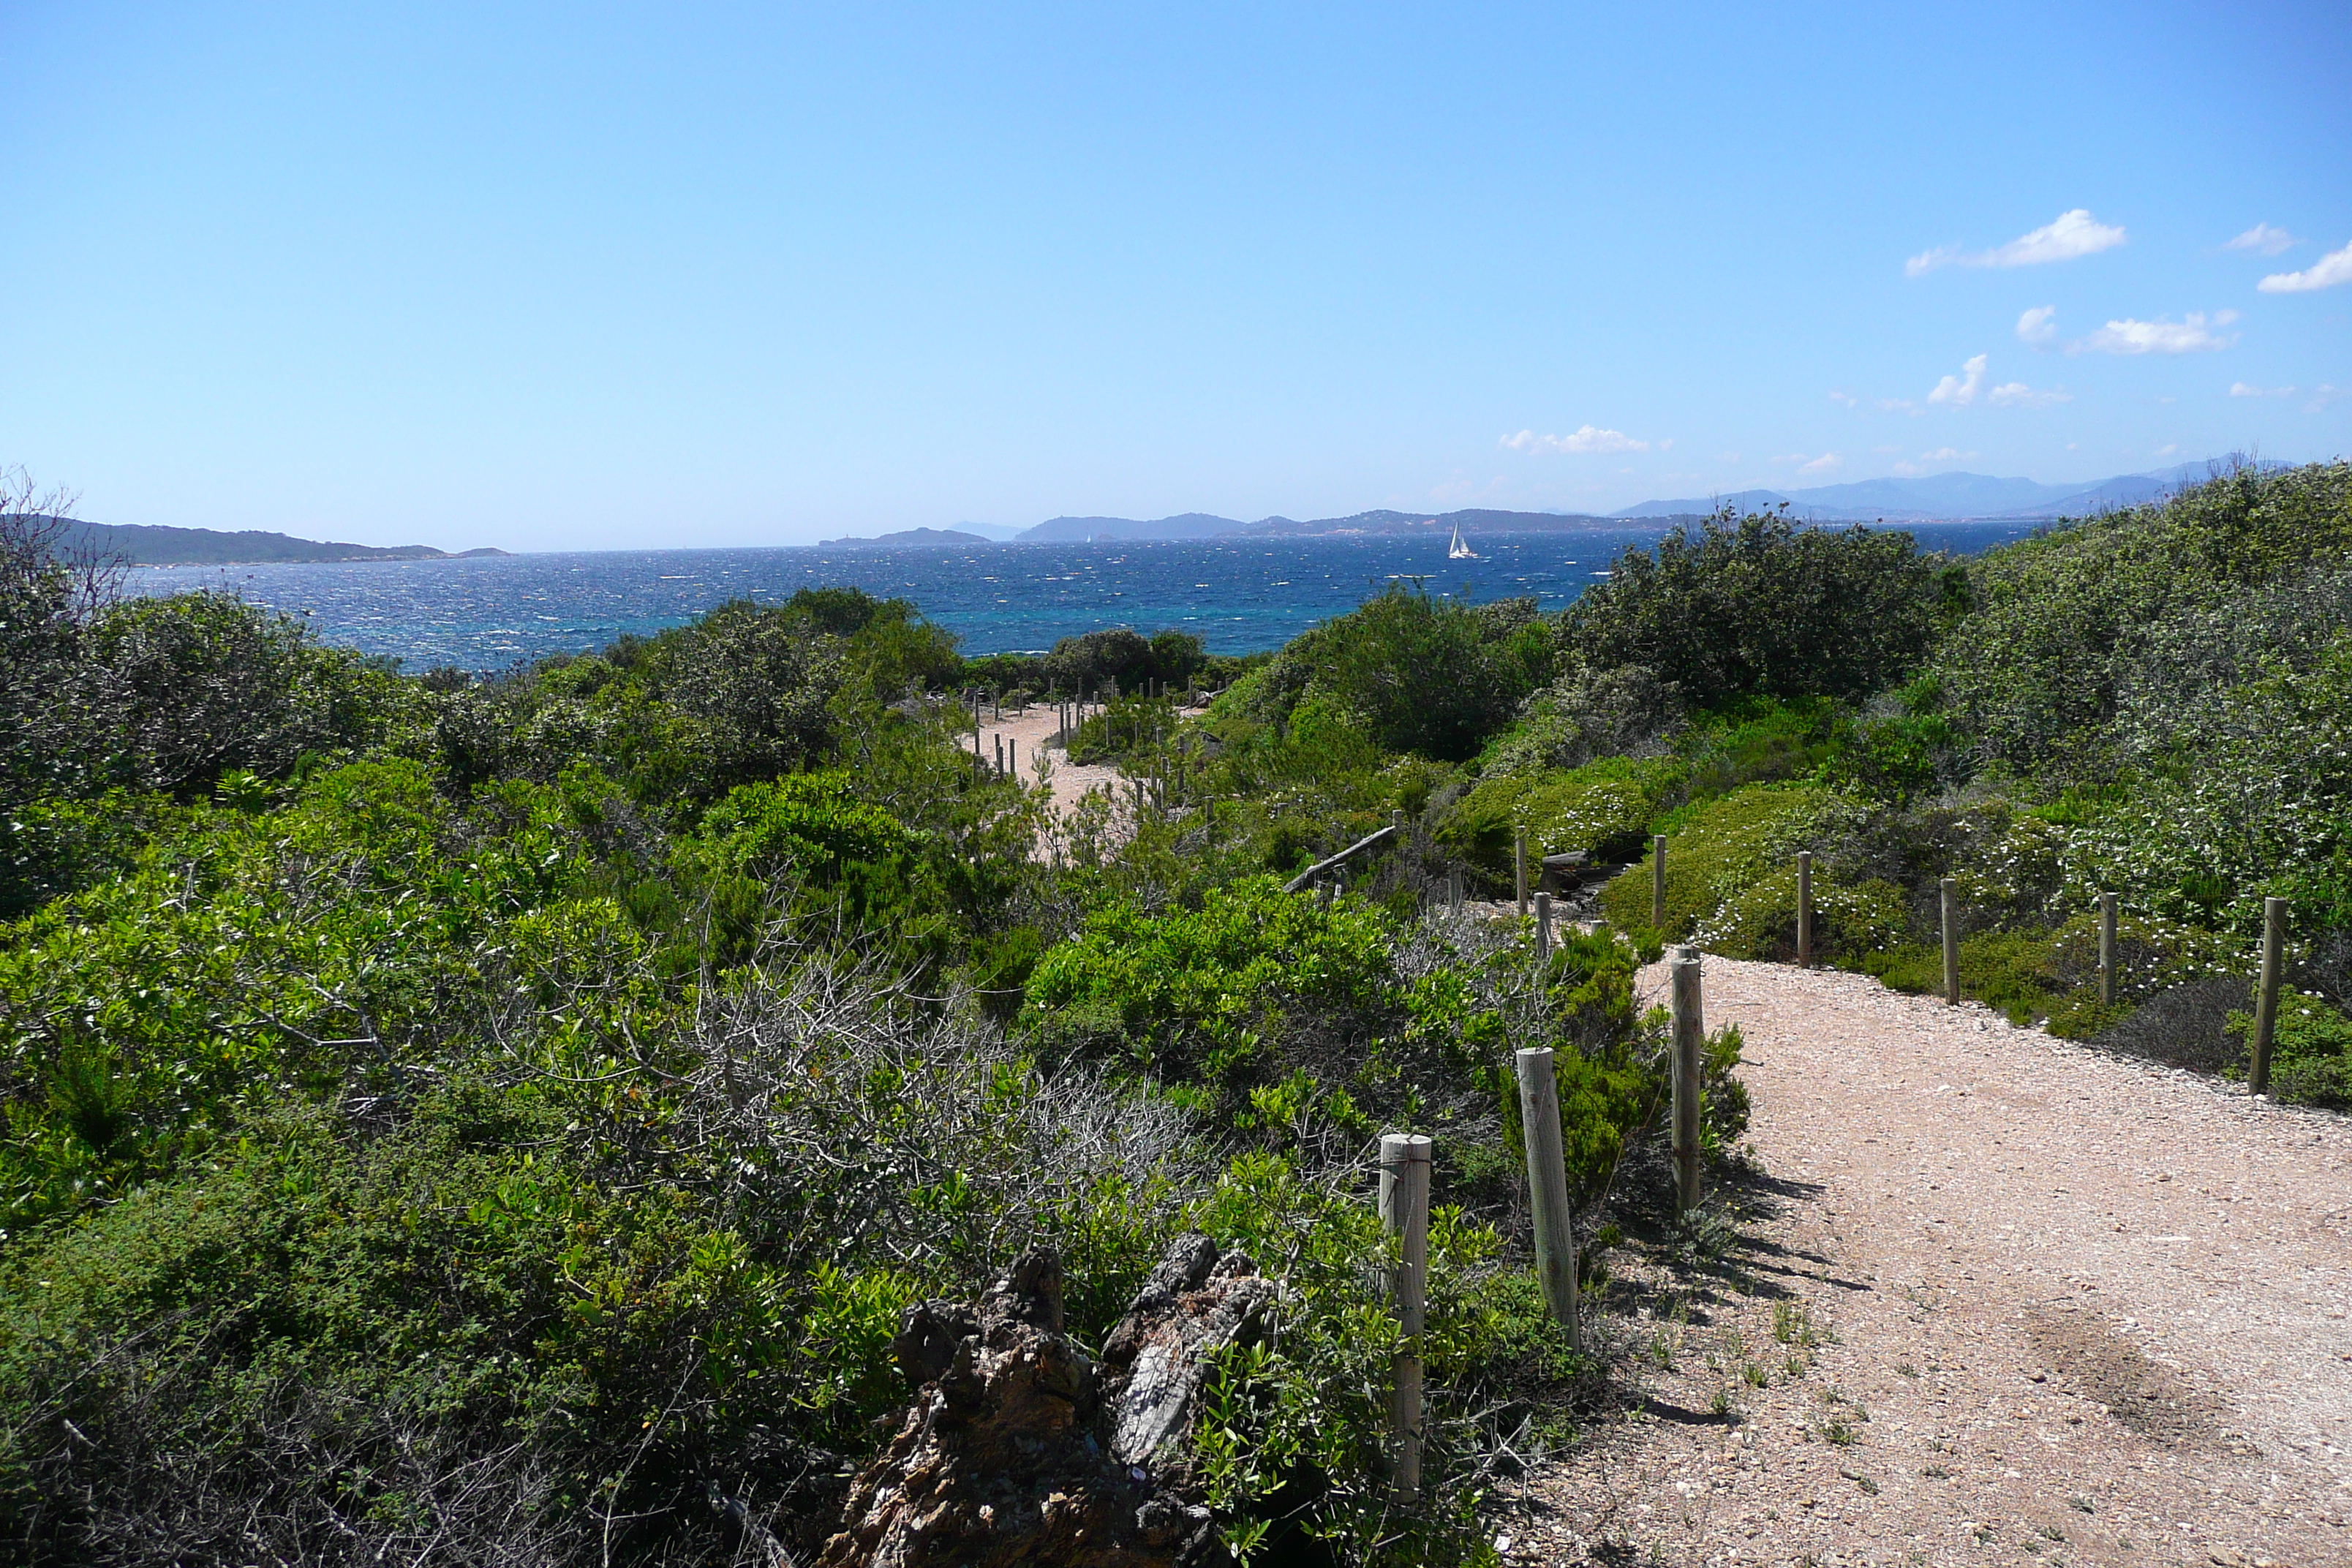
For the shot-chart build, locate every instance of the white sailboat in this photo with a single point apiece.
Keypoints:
(1458, 550)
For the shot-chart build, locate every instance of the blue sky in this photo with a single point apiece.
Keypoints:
(579, 277)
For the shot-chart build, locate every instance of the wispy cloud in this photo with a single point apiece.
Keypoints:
(2324, 395)
(1827, 463)
(2069, 235)
(2263, 239)
(1897, 405)
(1586, 438)
(2167, 450)
(1844, 399)
(2017, 395)
(1926, 464)
(2190, 334)
(2038, 326)
(2243, 389)
(2330, 269)
(1960, 391)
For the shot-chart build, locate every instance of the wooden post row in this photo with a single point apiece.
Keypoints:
(2106, 950)
(2258, 1077)
(1548, 1187)
(1690, 1035)
(1519, 866)
(1951, 903)
(1658, 881)
(1404, 1213)
(1543, 927)
(1804, 909)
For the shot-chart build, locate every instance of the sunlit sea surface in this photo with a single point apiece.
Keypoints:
(1239, 596)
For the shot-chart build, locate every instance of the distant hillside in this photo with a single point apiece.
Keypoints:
(1471, 521)
(1953, 496)
(1079, 529)
(916, 539)
(148, 545)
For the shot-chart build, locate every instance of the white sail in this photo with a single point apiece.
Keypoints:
(1458, 550)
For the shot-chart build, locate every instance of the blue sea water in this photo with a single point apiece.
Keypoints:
(1239, 594)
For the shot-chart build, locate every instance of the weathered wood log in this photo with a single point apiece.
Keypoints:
(1334, 862)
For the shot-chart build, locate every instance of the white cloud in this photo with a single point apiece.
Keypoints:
(1926, 464)
(2017, 395)
(1958, 392)
(2322, 394)
(2069, 235)
(1898, 406)
(1586, 438)
(2039, 325)
(1944, 455)
(1828, 462)
(2188, 335)
(1844, 399)
(2167, 450)
(2241, 389)
(2330, 269)
(2262, 239)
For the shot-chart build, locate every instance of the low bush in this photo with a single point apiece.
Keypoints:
(1604, 809)
(1716, 851)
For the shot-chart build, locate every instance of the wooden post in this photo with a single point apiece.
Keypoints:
(1548, 1188)
(2106, 950)
(1520, 864)
(1000, 753)
(1952, 893)
(1453, 891)
(1404, 1213)
(1658, 881)
(1012, 756)
(1543, 927)
(2258, 1080)
(1804, 909)
(1690, 1034)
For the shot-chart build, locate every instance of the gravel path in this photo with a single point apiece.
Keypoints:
(2010, 1299)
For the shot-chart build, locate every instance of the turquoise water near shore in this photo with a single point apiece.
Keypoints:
(1239, 594)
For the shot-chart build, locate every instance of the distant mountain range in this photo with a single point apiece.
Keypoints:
(149, 545)
(1937, 497)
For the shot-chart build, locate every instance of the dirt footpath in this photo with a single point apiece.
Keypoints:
(1994, 1298)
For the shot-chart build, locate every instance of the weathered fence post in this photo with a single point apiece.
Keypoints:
(1548, 1187)
(2106, 950)
(1404, 1213)
(2258, 1080)
(1951, 900)
(1658, 881)
(1804, 909)
(1000, 754)
(1690, 1035)
(1453, 891)
(1543, 927)
(1520, 864)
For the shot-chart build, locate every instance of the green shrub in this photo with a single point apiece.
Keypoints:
(2311, 1050)
(1758, 607)
(1604, 809)
(1716, 852)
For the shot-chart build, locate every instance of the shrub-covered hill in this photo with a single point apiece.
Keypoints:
(476, 1118)
(484, 1118)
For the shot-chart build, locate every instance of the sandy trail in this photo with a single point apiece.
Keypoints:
(2069, 1307)
(1032, 736)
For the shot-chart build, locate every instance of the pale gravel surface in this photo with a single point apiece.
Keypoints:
(1032, 736)
(2107, 1301)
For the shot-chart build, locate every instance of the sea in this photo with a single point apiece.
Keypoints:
(1240, 595)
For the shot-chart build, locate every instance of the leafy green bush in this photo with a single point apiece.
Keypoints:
(1758, 607)
(1717, 851)
(1604, 809)
(2311, 1050)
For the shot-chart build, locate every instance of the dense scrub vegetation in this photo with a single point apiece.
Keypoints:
(484, 1116)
